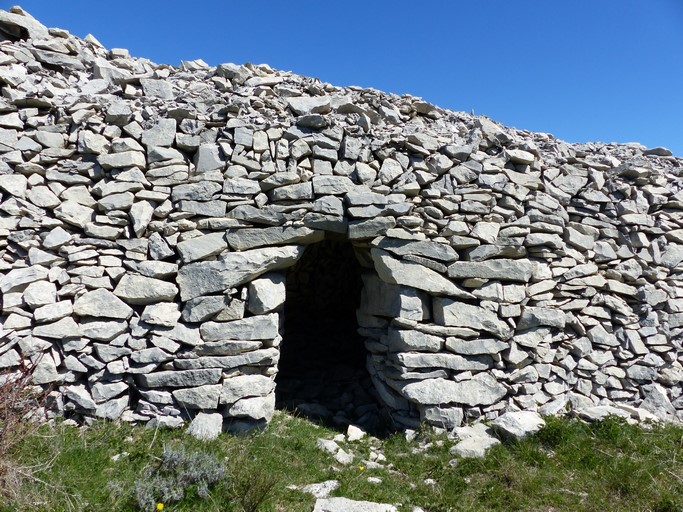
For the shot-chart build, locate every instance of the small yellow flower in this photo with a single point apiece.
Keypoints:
(160, 506)
(362, 468)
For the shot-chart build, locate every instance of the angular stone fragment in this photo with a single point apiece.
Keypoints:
(163, 313)
(412, 274)
(206, 426)
(304, 105)
(180, 378)
(157, 88)
(100, 330)
(202, 397)
(102, 303)
(458, 314)
(433, 250)
(122, 160)
(18, 278)
(519, 424)
(141, 214)
(253, 328)
(263, 357)
(266, 293)
(64, 328)
(73, 213)
(535, 317)
(40, 293)
(233, 269)
(141, 290)
(245, 386)
(202, 247)
(161, 134)
(256, 408)
(501, 269)
(245, 239)
(482, 389)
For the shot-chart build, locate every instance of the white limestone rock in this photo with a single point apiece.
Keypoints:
(347, 505)
(206, 426)
(412, 274)
(482, 389)
(140, 290)
(162, 313)
(102, 303)
(252, 328)
(180, 378)
(202, 397)
(266, 294)
(256, 408)
(458, 314)
(501, 269)
(518, 424)
(233, 269)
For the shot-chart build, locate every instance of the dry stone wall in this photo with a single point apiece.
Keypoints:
(148, 214)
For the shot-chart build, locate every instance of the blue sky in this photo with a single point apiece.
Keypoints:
(583, 70)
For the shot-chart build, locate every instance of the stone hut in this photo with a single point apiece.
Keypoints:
(196, 238)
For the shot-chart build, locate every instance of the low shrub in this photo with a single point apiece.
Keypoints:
(20, 403)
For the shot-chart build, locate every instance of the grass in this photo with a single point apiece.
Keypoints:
(569, 465)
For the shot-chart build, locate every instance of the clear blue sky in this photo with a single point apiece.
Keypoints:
(583, 70)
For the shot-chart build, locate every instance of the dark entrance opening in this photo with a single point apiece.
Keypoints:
(322, 369)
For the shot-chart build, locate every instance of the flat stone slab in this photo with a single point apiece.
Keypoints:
(458, 314)
(503, 269)
(482, 389)
(408, 273)
(180, 378)
(347, 505)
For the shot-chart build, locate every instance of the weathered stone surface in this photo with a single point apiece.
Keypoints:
(309, 105)
(266, 293)
(256, 408)
(202, 247)
(245, 386)
(244, 239)
(263, 357)
(64, 328)
(347, 505)
(180, 378)
(504, 270)
(163, 313)
(233, 269)
(482, 389)
(206, 426)
(252, 328)
(518, 425)
(412, 274)
(201, 397)
(20, 277)
(141, 290)
(102, 303)
(458, 314)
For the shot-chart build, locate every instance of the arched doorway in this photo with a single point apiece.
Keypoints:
(322, 370)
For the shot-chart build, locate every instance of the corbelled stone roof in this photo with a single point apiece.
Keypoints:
(148, 213)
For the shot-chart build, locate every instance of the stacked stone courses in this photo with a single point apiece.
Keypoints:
(149, 213)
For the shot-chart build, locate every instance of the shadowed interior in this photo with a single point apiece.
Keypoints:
(322, 369)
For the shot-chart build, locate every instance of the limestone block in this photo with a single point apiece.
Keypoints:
(140, 290)
(458, 314)
(201, 397)
(482, 389)
(266, 293)
(408, 273)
